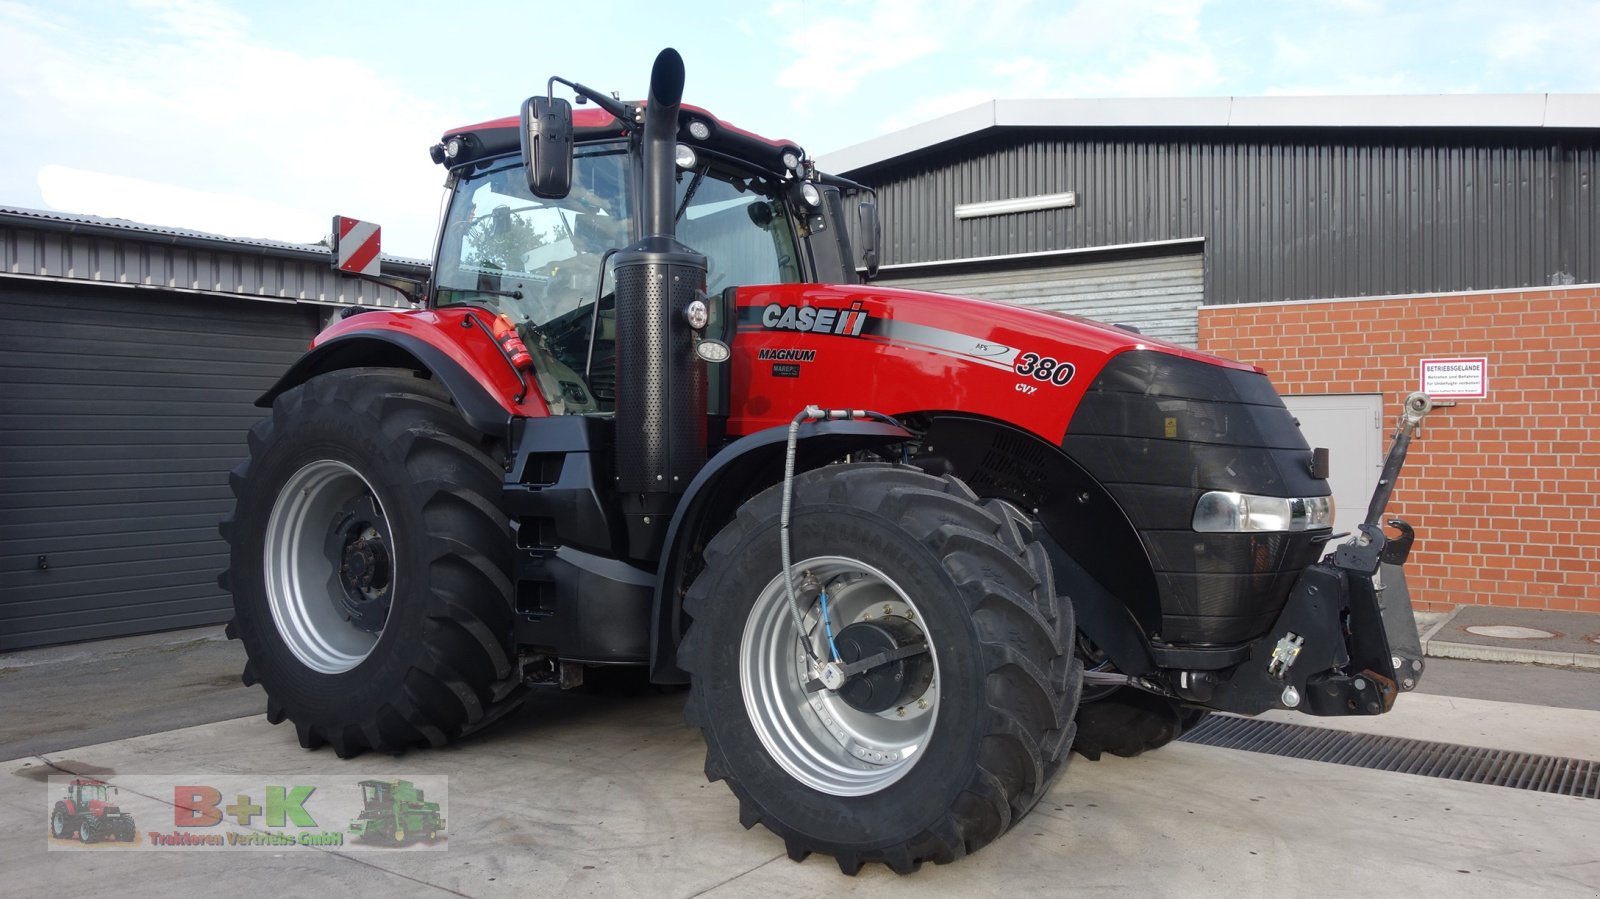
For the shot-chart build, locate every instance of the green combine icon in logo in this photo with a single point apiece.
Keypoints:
(394, 812)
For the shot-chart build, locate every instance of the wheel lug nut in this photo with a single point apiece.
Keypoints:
(901, 712)
(922, 703)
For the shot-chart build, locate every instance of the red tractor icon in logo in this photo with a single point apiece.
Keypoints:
(87, 812)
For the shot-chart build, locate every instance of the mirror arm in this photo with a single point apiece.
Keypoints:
(413, 289)
(841, 181)
(609, 104)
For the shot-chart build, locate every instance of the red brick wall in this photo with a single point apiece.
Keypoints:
(1502, 490)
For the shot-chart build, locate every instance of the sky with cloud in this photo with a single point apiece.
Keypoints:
(264, 119)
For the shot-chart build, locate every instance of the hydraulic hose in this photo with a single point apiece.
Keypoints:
(809, 413)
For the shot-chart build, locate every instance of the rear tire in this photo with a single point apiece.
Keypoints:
(60, 822)
(935, 783)
(369, 565)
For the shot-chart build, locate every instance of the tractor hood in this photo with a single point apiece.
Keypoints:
(899, 351)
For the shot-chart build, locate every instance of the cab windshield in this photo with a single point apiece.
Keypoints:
(538, 261)
(531, 258)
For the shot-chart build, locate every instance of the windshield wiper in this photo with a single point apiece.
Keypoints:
(688, 194)
(514, 294)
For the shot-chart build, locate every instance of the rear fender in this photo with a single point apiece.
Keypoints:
(454, 348)
(740, 471)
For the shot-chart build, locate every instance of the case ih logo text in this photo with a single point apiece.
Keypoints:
(816, 319)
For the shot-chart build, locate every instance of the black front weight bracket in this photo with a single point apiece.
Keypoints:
(1337, 649)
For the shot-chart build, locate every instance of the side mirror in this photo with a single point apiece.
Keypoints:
(871, 235)
(547, 146)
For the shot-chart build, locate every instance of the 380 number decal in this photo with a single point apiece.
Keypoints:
(1044, 368)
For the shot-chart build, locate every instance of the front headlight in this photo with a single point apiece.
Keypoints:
(1219, 512)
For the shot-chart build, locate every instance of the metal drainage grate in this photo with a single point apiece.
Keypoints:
(1498, 767)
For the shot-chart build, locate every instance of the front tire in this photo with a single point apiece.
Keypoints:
(369, 565)
(962, 745)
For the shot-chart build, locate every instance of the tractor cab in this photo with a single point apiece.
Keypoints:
(376, 794)
(754, 208)
(85, 793)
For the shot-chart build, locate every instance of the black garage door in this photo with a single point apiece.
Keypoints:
(121, 412)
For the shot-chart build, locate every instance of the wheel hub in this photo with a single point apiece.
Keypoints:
(892, 683)
(330, 566)
(358, 543)
(820, 737)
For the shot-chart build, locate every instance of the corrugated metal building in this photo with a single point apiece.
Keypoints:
(130, 359)
(1341, 243)
(1237, 200)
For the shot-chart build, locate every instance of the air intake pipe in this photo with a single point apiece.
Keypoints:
(661, 383)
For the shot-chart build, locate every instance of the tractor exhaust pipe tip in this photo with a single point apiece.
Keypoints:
(661, 143)
(666, 79)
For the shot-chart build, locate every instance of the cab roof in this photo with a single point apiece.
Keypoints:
(501, 136)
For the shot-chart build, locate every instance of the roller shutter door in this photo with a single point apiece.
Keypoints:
(1159, 295)
(121, 413)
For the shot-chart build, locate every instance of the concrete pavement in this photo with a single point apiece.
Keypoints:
(607, 797)
(610, 800)
(62, 696)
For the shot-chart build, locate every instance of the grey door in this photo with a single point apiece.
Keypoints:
(1350, 426)
(121, 413)
(1159, 295)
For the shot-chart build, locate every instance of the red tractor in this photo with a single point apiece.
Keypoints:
(88, 814)
(906, 549)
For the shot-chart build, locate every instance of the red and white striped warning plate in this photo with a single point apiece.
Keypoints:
(355, 245)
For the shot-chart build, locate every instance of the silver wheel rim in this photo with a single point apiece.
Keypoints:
(818, 738)
(302, 581)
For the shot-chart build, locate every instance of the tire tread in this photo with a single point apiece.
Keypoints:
(1003, 575)
(462, 675)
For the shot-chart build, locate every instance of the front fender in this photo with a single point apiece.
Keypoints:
(742, 469)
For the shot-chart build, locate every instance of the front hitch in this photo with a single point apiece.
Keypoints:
(1342, 645)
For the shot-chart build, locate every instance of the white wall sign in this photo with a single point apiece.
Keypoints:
(1445, 379)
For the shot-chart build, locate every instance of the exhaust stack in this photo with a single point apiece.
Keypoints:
(661, 383)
